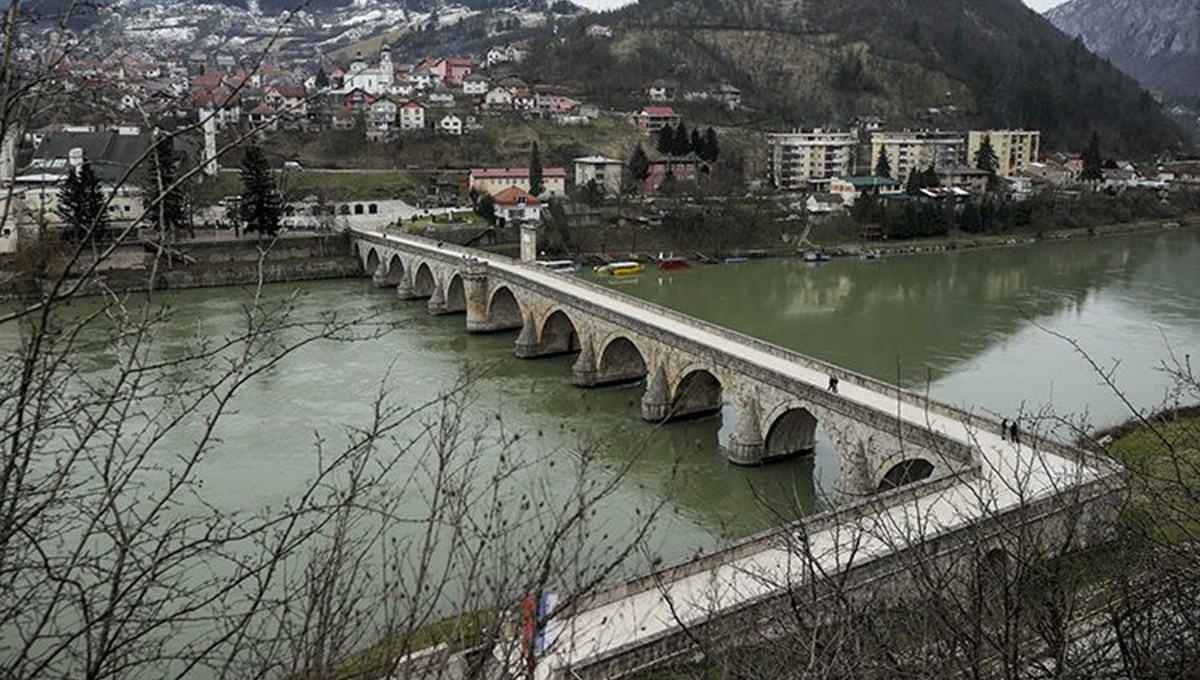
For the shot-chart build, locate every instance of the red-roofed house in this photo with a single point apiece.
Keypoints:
(291, 100)
(514, 204)
(654, 118)
(496, 180)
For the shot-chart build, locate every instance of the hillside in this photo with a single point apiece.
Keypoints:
(1155, 41)
(812, 62)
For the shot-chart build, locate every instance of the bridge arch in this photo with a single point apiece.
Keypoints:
(503, 309)
(698, 393)
(371, 261)
(423, 281)
(908, 471)
(456, 294)
(620, 361)
(791, 432)
(558, 335)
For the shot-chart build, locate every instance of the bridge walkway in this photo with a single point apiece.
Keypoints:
(1010, 476)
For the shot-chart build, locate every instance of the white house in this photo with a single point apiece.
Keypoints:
(498, 98)
(514, 204)
(412, 116)
(383, 114)
(475, 84)
(442, 98)
(605, 172)
(450, 125)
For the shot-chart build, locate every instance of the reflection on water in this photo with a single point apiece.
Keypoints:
(976, 326)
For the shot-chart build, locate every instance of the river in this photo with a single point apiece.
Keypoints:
(975, 328)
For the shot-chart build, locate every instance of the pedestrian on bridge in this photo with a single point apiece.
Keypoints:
(1004, 429)
(833, 383)
(1013, 433)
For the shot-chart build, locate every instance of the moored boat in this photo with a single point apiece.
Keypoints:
(670, 263)
(816, 256)
(560, 266)
(620, 269)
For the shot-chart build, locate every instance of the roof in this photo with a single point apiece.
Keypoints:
(659, 111)
(515, 196)
(513, 173)
(831, 199)
(961, 170)
(869, 181)
(597, 160)
(110, 154)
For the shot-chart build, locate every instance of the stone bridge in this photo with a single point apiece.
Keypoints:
(779, 399)
(930, 485)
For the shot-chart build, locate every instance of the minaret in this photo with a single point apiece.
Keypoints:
(386, 73)
(208, 121)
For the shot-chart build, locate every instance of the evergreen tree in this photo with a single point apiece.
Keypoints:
(666, 140)
(164, 203)
(1093, 166)
(683, 141)
(712, 148)
(322, 80)
(696, 143)
(985, 156)
(883, 166)
(536, 183)
(261, 206)
(638, 167)
(82, 206)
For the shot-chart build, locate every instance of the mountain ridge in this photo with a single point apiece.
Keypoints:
(1155, 41)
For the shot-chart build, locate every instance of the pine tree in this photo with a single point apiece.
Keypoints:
(82, 206)
(985, 156)
(712, 148)
(261, 206)
(164, 203)
(666, 140)
(1093, 166)
(683, 141)
(536, 183)
(639, 167)
(696, 143)
(322, 80)
(883, 166)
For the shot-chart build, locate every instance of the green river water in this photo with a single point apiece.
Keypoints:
(975, 328)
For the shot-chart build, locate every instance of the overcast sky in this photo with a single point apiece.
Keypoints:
(1039, 5)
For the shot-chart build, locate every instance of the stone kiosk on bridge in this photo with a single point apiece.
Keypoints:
(921, 478)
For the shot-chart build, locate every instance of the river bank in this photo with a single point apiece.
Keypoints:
(209, 260)
(951, 242)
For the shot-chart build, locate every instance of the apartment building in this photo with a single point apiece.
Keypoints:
(797, 158)
(915, 150)
(1015, 149)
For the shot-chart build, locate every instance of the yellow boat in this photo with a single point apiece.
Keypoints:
(620, 269)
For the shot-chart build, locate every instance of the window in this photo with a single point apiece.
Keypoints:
(373, 209)
(358, 209)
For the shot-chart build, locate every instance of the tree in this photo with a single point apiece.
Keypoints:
(712, 147)
(665, 140)
(1093, 165)
(536, 184)
(682, 144)
(322, 79)
(985, 156)
(696, 143)
(83, 206)
(638, 167)
(261, 205)
(163, 195)
(883, 166)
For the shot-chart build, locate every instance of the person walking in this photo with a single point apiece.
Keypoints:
(833, 384)
(1014, 433)
(1004, 429)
